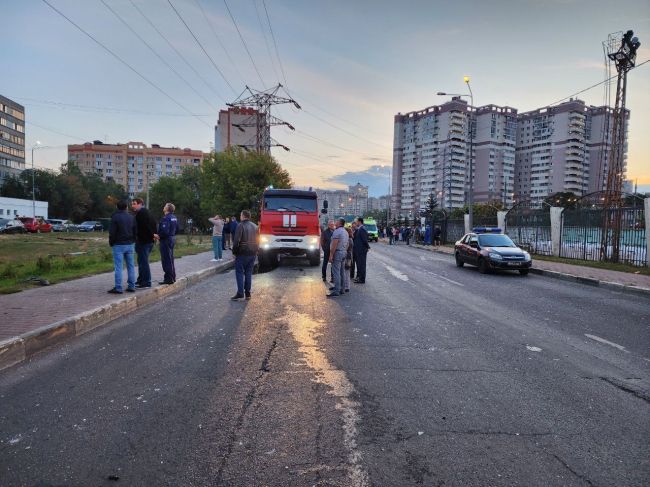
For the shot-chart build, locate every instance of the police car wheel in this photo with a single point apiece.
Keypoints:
(459, 263)
(483, 266)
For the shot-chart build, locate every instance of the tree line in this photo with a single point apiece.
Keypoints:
(226, 183)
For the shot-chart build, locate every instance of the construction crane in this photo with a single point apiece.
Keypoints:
(621, 52)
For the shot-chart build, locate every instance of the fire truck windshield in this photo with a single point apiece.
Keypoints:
(289, 203)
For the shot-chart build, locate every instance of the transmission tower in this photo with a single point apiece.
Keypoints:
(621, 52)
(261, 119)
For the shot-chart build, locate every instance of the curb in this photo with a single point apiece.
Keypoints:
(588, 281)
(16, 350)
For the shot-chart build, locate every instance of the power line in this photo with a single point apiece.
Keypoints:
(218, 39)
(123, 61)
(30, 122)
(201, 46)
(596, 85)
(266, 42)
(104, 109)
(345, 131)
(175, 50)
(121, 19)
(277, 52)
(244, 43)
(303, 134)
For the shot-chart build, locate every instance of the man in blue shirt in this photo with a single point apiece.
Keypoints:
(166, 235)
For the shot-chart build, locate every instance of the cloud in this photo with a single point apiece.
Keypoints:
(375, 177)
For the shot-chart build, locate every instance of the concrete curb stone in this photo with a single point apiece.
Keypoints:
(18, 349)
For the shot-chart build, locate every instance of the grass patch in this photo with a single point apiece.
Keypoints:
(63, 257)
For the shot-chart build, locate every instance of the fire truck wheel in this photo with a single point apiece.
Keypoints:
(314, 259)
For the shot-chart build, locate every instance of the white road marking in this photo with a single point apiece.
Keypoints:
(397, 273)
(447, 279)
(606, 342)
(534, 349)
(306, 331)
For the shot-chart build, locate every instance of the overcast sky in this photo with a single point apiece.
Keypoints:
(352, 65)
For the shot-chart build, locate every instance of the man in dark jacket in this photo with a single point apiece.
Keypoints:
(360, 249)
(244, 246)
(121, 238)
(167, 228)
(144, 242)
(325, 241)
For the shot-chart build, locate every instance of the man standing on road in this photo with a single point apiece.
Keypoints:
(338, 250)
(121, 238)
(244, 247)
(144, 241)
(167, 236)
(325, 242)
(361, 248)
(217, 237)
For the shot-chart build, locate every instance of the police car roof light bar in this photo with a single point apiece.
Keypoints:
(487, 230)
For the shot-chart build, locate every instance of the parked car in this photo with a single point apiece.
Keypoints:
(59, 225)
(489, 249)
(35, 225)
(90, 226)
(8, 225)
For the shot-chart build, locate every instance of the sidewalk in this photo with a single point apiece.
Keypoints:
(622, 281)
(47, 314)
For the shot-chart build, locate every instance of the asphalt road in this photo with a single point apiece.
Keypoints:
(426, 375)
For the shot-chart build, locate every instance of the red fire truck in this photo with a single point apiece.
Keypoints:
(288, 225)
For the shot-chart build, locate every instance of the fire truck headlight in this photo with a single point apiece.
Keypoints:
(313, 240)
(264, 239)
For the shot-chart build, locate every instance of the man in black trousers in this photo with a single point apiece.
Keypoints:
(360, 249)
(144, 241)
(325, 241)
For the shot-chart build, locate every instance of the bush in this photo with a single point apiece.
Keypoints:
(43, 264)
(9, 271)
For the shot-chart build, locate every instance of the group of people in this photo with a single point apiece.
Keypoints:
(345, 249)
(223, 232)
(131, 234)
(419, 234)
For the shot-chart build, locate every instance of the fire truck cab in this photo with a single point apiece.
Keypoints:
(288, 225)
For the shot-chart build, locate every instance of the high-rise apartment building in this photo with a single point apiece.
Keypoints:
(236, 127)
(563, 148)
(134, 165)
(516, 156)
(12, 138)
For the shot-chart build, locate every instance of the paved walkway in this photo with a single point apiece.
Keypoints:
(624, 278)
(29, 310)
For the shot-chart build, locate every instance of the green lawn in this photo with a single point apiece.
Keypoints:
(57, 257)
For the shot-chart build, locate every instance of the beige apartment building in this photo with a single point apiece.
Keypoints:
(133, 165)
(236, 127)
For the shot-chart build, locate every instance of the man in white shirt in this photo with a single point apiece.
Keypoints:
(338, 251)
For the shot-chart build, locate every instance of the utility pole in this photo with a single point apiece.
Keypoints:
(261, 119)
(621, 51)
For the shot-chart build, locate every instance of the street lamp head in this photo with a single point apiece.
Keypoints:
(441, 93)
(38, 142)
(466, 79)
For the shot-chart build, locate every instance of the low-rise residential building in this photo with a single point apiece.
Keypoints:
(12, 138)
(133, 165)
(18, 207)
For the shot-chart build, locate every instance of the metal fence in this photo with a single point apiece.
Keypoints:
(455, 229)
(530, 228)
(583, 236)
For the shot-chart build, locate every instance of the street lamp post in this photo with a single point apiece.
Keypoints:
(470, 195)
(33, 183)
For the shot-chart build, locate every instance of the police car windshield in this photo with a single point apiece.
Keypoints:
(495, 241)
(288, 203)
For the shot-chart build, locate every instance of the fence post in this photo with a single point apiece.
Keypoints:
(646, 211)
(501, 220)
(556, 230)
(466, 220)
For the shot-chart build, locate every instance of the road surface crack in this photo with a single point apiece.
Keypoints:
(636, 393)
(566, 465)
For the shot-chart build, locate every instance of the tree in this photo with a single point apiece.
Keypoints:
(13, 187)
(234, 180)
